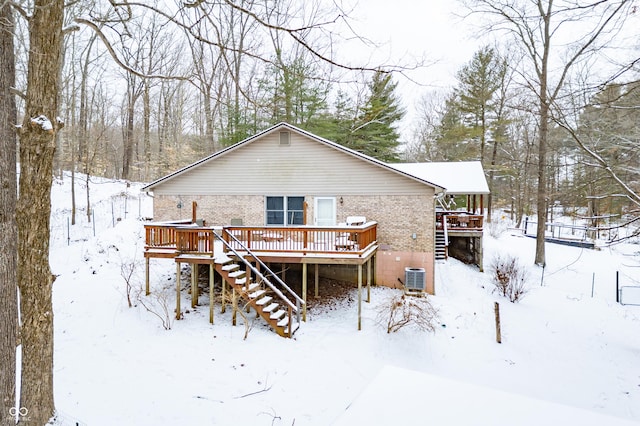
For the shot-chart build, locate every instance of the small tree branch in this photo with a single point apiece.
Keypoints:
(254, 393)
(115, 57)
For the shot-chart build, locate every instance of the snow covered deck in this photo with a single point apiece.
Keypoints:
(215, 246)
(298, 244)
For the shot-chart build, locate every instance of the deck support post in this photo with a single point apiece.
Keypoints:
(304, 292)
(317, 275)
(194, 285)
(177, 290)
(234, 305)
(211, 293)
(369, 281)
(480, 254)
(146, 277)
(223, 309)
(359, 297)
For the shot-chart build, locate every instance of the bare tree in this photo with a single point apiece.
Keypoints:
(37, 138)
(431, 110)
(604, 129)
(8, 226)
(580, 29)
(37, 147)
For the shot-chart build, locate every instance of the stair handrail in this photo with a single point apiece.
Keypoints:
(446, 230)
(299, 301)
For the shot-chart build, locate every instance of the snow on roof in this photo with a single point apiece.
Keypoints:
(404, 397)
(462, 177)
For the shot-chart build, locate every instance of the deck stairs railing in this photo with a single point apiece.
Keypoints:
(257, 285)
(442, 240)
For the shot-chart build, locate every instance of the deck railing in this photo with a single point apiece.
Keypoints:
(191, 239)
(470, 222)
(162, 234)
(195, 240)
(307, 239)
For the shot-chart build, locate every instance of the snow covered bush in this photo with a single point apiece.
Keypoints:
(498, 225)
(401, 310)
(127, 271)
(158, 303)
(509, 277)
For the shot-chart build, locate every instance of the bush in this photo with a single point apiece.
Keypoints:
(509, 277)
(498, 225)
(158, 303)
(401, 310)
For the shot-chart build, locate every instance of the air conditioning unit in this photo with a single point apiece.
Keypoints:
(415, 279)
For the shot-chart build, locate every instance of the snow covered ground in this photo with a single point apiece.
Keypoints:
(563, 351)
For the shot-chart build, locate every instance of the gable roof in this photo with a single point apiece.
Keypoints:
(287, 126)
(462, 177)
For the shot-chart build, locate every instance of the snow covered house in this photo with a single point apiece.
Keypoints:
(286, 196)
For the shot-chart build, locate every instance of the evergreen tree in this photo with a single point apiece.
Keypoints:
(479, 82)
(454, 139)
(336, 126)
(295, 93)
(375, 132)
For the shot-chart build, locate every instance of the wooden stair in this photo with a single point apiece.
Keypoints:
(441, 245)
(272, 305)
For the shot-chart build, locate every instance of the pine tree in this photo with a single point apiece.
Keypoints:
(375, 132)
(478, 83)
(454, 139)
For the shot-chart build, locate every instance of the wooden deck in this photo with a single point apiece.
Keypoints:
(456, 222)
(461, 226)
(297, 244)
(240, 254)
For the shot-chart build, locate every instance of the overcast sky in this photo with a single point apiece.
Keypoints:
(408, 30)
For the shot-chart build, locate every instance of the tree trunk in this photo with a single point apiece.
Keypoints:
(8, 227)
(128, 139)
(543, 100)
(494, 156)
(146, 100)
(542, 180)
(37, 149)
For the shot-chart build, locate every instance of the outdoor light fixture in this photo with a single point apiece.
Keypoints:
(341, 200)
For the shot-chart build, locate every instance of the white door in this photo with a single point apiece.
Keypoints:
(325, 211)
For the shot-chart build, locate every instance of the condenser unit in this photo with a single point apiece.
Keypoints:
(415, 279)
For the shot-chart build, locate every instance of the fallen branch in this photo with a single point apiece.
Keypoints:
(253, 393)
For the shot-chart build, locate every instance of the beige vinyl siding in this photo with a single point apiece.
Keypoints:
(305, 167)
